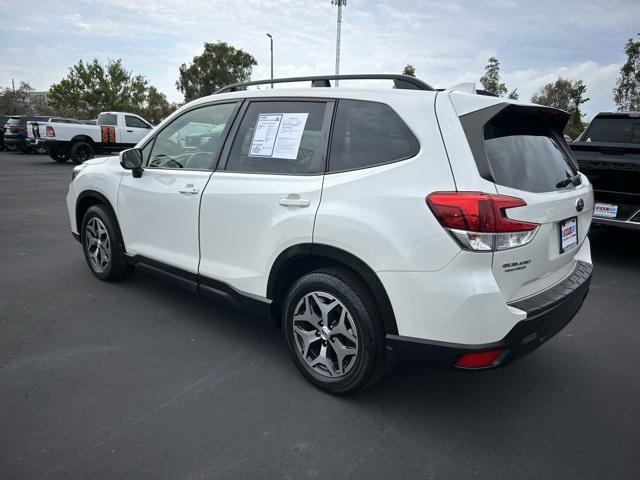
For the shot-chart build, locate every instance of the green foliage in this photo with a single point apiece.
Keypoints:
(566, 95)
(513, 94)
(220, 64)
(90, 88)
(626, 94)
(409, 70)
(157, 107)
(491, 79)
(15, 103)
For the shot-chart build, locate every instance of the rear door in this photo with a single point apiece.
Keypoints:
(528, 158)
(265, 196)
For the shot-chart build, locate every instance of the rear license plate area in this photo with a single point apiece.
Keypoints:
(605, 210)
(568, 234)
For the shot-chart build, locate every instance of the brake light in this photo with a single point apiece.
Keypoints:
(478, 221)
(49, 131)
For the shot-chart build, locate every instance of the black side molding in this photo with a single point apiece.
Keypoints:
(206, 286)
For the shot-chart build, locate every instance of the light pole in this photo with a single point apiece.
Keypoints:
(271, 41)
(340, 4)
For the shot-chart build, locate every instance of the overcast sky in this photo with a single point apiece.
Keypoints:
(447, 41)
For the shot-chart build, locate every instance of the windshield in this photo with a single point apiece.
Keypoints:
(523, 153)
(622, 129)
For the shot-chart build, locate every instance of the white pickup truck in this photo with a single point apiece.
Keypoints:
(113, 132)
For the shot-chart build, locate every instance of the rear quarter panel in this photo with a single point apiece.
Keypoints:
(379, 214)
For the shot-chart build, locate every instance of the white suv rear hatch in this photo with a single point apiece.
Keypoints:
(526, 157)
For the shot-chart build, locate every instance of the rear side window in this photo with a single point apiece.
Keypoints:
(107, 119)
(523, 153)
(614, 130)
(285, 137)
(366, 134)
(132, 121)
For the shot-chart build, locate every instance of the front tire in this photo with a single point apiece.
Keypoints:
(334, 331)
(103, 246)
(80, 152)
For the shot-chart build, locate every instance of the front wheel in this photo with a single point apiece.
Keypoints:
(103, 246)
(334, 331)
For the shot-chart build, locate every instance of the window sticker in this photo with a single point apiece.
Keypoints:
(278, 135)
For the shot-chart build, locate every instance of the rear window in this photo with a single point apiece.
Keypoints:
(523, 153)
(614, 130)
(107, 119)
(367, 134)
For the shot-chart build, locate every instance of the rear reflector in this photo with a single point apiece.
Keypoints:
(479, 221)
(478, 360)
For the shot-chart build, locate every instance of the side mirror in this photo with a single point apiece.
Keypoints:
(131, 159)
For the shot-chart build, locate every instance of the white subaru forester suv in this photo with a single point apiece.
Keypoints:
(372, 225)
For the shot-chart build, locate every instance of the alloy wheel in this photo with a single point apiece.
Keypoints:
(97, 244)
(325, 334)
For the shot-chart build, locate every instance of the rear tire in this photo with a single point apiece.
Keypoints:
(334, 331)
(81, 152)
(103, 246)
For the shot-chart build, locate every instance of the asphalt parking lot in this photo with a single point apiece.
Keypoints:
(140, 379)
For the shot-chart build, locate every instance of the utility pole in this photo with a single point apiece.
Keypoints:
(271, 41)
(340, 4)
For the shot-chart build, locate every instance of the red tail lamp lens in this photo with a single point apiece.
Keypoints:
(477, 212)
(478, 360)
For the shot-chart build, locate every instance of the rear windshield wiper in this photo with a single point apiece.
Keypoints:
(574, 180)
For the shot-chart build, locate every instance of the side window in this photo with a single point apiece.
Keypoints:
(131, 121)
(285, 137)
(108, 119)
(192, 140)
(366, 134)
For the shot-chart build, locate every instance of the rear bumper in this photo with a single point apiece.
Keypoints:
(547, 313)
(19, 142)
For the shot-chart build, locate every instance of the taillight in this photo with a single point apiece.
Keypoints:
(49, 132)
(478, 221)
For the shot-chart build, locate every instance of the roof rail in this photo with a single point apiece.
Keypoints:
(404, 82)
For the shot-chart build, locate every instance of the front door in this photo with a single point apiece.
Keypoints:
(159, 211)
(135, 129)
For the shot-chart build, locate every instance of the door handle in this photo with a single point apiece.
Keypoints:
(130, 131)
(294, 201)
(189, 189)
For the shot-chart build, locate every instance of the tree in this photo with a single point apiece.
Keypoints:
(15, 102)
(513, 94)
(157, 107)
(90, 88)
(627, 91)
(409, 70)
(220, 64)
(491, 79)
(566, 95)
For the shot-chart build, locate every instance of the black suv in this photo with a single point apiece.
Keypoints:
(15, 134)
